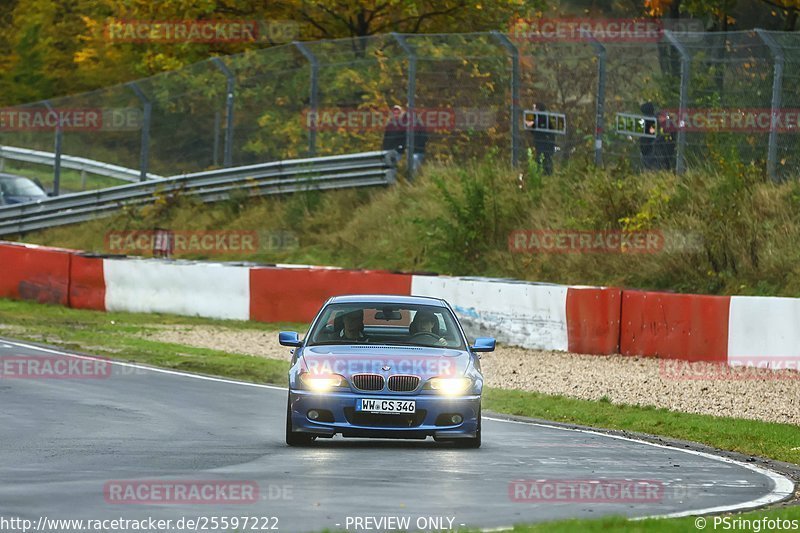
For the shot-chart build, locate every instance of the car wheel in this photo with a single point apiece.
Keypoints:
(292, 438)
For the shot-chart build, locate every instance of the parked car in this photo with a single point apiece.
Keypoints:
(19, 190)
(387, 367)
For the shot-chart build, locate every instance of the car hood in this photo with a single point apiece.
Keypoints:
(421, 361)
(14, 199)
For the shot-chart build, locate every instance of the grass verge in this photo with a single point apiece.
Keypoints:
(752, 437)
(118, 335)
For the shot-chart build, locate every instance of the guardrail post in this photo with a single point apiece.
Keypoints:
(313, 95)
(777, 97)
(411, 97)
(600, 52)
(57, 150)
(680, 153)
(147, 109)
(506, 43)
(230, 94)
(215, 149)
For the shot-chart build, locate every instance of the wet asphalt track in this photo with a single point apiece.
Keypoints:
(62, 440)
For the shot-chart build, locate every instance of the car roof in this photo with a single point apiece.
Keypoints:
(3, 175)
(387, 299)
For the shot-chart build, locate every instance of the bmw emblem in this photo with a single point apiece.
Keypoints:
(386, 368)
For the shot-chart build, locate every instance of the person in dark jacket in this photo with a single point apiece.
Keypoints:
(658, 149)
(544, 142)
(394, 134)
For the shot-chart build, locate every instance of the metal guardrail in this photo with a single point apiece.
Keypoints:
(336, 172)
(81, 164)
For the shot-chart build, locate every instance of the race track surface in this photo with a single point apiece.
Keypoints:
(64, 441)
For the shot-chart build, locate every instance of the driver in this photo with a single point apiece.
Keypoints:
(353, 326)
(423, 324)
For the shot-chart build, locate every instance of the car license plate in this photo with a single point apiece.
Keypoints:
(380, 405)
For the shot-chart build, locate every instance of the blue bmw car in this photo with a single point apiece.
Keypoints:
(387, 367)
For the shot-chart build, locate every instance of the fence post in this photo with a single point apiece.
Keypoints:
(600, 52)
(412, 89)
(777, 97)
(680, 154)
(215, 148)
(230, 93)
(313, 96)
(57, 150)
(144, 154)
(515, 114)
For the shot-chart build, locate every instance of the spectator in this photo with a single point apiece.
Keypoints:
(658, 149)
(544, 142)
(394, 134)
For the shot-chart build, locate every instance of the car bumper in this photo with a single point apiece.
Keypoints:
(428, 421)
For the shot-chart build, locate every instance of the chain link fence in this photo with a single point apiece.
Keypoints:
(713, 98)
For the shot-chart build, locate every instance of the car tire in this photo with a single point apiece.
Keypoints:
(293, 438)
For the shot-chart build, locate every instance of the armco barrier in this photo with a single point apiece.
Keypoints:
(87, 285)
(296, 294)
(38, 273)
(678, 326)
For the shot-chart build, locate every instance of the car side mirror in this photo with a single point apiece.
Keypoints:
(289, 338)
(483, 344)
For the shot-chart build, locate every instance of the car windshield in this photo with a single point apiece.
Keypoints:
(20, 187)
(416, 325)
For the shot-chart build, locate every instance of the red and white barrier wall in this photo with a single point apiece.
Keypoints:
(765, 330)
(532, 315)
(594, 320)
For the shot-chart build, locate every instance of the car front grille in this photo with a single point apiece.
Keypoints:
(368, 381)
(403, 383)
(360, 418)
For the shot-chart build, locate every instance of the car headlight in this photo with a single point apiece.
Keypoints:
(450, 386)
(322, 382)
